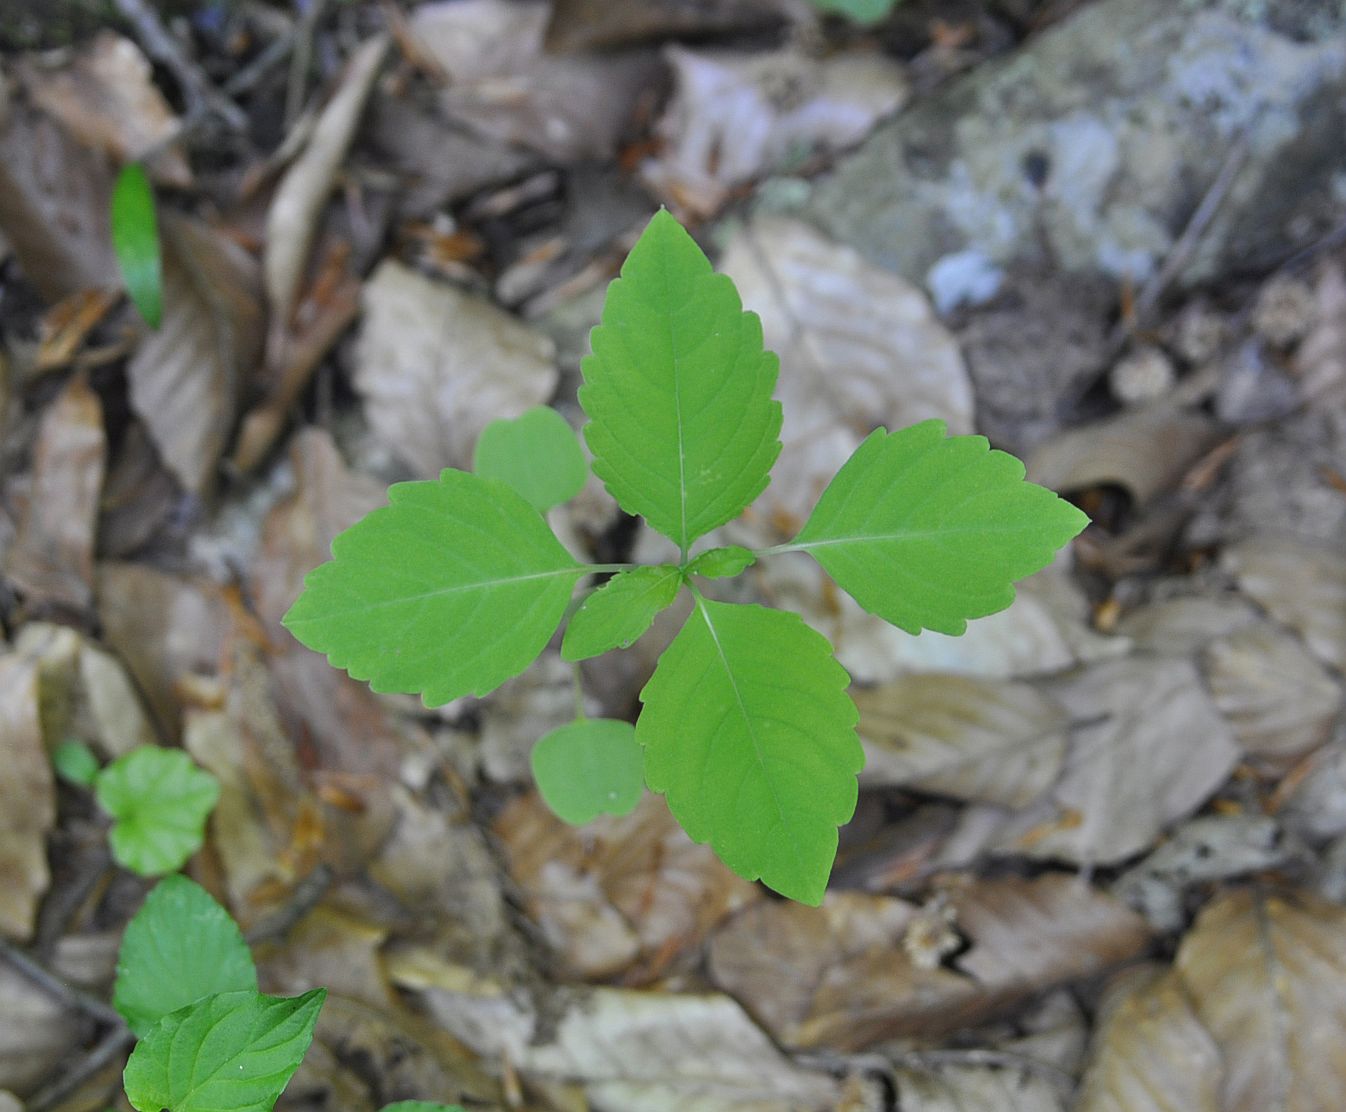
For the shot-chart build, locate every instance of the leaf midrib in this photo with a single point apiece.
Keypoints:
(480, 585)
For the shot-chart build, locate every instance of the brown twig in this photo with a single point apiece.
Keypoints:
(57, 987)
(72, 1077)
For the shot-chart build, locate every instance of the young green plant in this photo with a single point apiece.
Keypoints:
(746, 726)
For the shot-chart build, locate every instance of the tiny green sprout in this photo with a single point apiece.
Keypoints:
(864, 12)
(75, 762)
(135, 242)
(746, 727)
(159, 801)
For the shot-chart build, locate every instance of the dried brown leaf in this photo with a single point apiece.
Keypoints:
(1150, 1052)
(1299, 583)
(980, 740)
(1182, 626)
(435, 365)
(734, 117)
(186, 377)
(1266, 974)
(104, 95)
(37, 1033)
(955, 1088)
(1279, 701)
(27, 798)
(51, 561)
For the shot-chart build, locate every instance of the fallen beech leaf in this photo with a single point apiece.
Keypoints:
(302, 193)
(734, 117)
(1299, 583)
(1184, 625)
(186, 377)
(104, 96)
(435, 365)
(1278, 700)
(1150, 1052)
(979, 740)
(51, 560)
(27, 798)
(1266, 974)
(948, 1087)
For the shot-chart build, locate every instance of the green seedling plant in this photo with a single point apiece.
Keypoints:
(158, 800)
(746, 727)
(135, 241)
(864, 12)
(207, 1039)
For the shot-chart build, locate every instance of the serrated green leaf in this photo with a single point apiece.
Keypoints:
(75, 762)
(135, 241)
(449, 590)
(721, 563)
(750, 735)
(927, 531)
(589, 768)
(619, 611)
(537, 453)
(421, 1106)
(180, 946)
(678, 390)
(160, 801)
(231, 1052)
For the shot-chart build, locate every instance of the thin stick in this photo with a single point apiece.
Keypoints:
(104, 1051)
(55, 986)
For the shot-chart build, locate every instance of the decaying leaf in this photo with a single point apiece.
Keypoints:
(1320, 360)
(1278, 700)
(1150, 1052)
(186, 377)
(51, 560)
(1183, 625)
(1266, 975)
(734, 117)
(27, 798)
(1299, 583)
(954, 1088)
(979, 740)
(618, 891)
(104, 96)
(435, 365)
(37, 1034)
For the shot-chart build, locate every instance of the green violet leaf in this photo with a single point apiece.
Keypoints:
(160, 801)
(589, 768)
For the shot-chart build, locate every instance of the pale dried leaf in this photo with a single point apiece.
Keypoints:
(1266, 974)
(1279, 701)
(293, 216)
(1299, 583)
(54, 196)
(1144, 451)
(51, 560)
(1320, 360)
(974, 739)
(333, 948)
(435, 365)
(37, 1033)
(954, 1088)
(734, 117)
(1150, 1052)
(1148, 749)
(105, 96)
(27, 798)
(1316, 805)
(618, 890)
(1182, 626)
(186, 377)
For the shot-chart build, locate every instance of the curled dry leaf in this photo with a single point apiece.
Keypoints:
(734, 117)
(1266, 974)
(1279, 701)
(435, 365)
(1299, 583)
(618, 891)
(51, 560)
(980, 740)
(104, 95)
(1150, 1052)
(27, 798)
(502, 84)
(54, 196)
(302, 193)
(186, 377)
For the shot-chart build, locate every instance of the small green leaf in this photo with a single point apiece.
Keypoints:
(721, 563)
(537, 453)
(678, 390)
(421, 1106)
(589, 768)
(74, 761)
(748, 731)
(180, 946)
(160, 800)
(927, 531)
(619, 611)
(231, 1052)
(135, 240)
(450, 590)
(864, 12)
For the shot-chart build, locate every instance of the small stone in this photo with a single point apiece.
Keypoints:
(1285, 311)
(1142, 376)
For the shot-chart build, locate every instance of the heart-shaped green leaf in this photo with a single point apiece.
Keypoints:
(160, 800)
